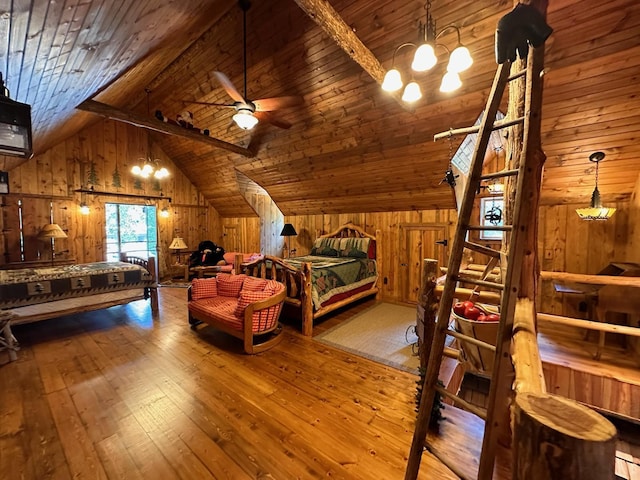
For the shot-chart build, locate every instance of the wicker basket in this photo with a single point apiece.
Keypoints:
(479, 360)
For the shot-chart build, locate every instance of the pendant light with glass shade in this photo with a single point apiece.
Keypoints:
(596, 211)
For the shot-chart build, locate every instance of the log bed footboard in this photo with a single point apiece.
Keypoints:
(298, 287)
(101, 299)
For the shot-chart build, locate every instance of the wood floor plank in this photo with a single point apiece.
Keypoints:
(145, 398)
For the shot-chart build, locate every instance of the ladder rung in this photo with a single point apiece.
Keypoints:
(490, 228)
(500, 174)
(517, 75)
(473, 341)
(466, 405)
(482, 249)
(480, 283)
(499, 125)
(453, 466)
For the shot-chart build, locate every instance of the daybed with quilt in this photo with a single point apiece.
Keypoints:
(48, 292)
(341, 269)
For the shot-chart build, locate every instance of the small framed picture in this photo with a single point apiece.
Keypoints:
(491, 214)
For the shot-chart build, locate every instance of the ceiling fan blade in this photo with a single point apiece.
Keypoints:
(276, 122)
(229, 87)
(193, 102)
(275, 103)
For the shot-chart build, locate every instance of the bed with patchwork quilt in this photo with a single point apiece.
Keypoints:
(42, 293)
(340, 269)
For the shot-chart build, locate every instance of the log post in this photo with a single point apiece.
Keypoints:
(427, 309)
(306, 302)
(555, 437)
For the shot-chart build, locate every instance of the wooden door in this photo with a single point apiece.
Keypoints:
(419, 242)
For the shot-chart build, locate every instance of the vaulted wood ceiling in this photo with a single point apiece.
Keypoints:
(352, 147)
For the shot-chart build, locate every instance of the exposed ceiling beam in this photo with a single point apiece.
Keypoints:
(328, 19)
(158, 126)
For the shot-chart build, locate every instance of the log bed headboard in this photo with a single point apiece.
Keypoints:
(298, 281)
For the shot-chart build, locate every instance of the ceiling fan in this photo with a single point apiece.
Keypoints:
(249, 112)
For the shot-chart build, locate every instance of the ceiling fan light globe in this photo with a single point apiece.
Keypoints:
(424, 58)
(460, 60)
(392, 81)
(245, 120)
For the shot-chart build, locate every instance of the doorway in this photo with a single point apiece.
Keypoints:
(418, 241)
(130, 229)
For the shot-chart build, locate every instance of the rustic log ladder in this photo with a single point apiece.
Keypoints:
(497, 416)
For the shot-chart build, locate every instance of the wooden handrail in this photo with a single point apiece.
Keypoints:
(588, 324)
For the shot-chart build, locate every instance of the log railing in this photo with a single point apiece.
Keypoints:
(545, 426)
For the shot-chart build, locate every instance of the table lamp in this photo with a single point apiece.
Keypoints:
(51, 232)
(288, 231)
(178, 244)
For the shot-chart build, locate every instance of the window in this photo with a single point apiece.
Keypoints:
(130, 229)
(491, 214)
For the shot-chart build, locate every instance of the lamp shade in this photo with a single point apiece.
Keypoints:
(51, 230)
(177, 244)
(288, 231)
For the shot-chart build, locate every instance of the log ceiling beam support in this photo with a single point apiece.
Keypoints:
(321, 12)
(158, 126)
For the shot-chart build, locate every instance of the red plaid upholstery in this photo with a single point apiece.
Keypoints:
(273, 286)
(218, 307)
(230, 285)
(262, 319)
(203, 288)
(253, 284)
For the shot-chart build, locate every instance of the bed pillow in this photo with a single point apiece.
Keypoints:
(354, 247)
(326, 247)
(204, 288)
(230, 285)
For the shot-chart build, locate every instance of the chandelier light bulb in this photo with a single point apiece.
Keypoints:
(245, 119)
(412, 92)
(424, 58)
(162, 173)
(136, 170)
(392, 81)
(450, 82)
(459, 60)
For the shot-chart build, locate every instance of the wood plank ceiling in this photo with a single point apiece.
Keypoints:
(352, 147)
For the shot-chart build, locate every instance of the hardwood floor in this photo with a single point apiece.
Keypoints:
(114, 394)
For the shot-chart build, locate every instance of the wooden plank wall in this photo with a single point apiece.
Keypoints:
(568, 244)
(94, 158)
(390, 246)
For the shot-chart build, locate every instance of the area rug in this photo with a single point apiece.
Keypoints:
(174, 284)
(383, 333)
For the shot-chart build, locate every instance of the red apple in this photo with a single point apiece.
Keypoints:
(458, 308)
(472, 313)
(468, 304)
(481, 318)
(493, 317)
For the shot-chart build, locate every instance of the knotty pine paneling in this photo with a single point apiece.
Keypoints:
(97, 157)
(568, 244)
(387, 226)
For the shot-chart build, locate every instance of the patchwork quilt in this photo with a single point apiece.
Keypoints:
(335, 275)
(29, 286)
